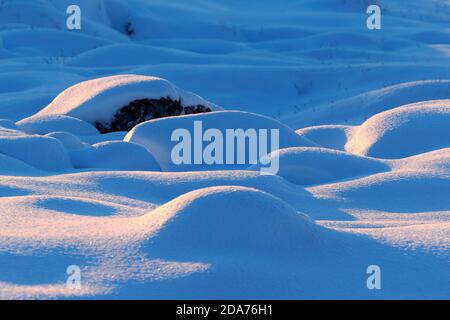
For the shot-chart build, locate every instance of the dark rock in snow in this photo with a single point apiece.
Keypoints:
(142, 110)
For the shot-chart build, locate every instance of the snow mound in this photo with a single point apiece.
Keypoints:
(11, 166)
(223, 219)
(114, 155)
(43, 153)
(310, 166)
(356, 109)
(52, 123)
(156, 135)
(98, 100)
(398, 191)
(435, 161)
(404, 131)
(328, 136)
(68, 140)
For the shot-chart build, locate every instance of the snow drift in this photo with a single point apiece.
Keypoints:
(114, 155)
(53, 123)
(404, 131)
(156, 136)
(97, 101)
(43, 153)
(311, 166)
(243, 220)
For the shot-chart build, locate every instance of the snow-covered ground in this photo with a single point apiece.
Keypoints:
(364, 163)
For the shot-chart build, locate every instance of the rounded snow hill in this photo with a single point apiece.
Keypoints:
(41, 152)
(68, 140)
(227, 219)
(435, 161)
(404, 131)
(155, 135)
(114, 155)
(14, 167)
(98, 100)
(53, 123)
(310, 166)
(397, 191)
(357, 109)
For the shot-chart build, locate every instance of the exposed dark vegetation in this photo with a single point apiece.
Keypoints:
(129, 29)
(142, 110)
